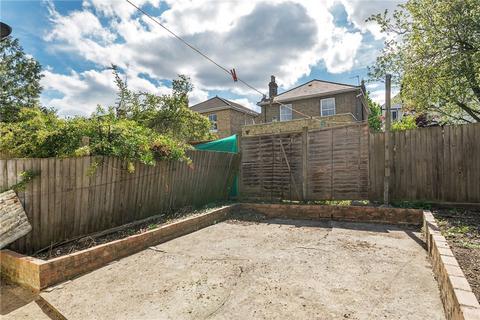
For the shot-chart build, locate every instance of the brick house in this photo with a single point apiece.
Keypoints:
(316, 98)
(226, 117)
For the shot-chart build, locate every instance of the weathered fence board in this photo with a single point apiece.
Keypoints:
(429, 164)
(67, 200)
(321, 164)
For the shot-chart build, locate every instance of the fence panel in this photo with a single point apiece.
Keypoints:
(321, 164)
(429, 164)
(68, 198)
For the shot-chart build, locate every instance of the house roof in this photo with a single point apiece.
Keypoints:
(313, 88)
(217, 103)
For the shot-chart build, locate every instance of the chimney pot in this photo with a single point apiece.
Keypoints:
(272, 87)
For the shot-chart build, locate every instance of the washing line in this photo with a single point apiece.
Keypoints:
(218, 65)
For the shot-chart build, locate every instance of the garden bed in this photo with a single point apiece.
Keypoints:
(121, 232)
(461, 228)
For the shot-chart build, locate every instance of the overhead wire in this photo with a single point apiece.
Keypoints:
(211, 60)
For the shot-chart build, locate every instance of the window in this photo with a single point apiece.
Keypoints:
(327, 107)
(285, 112)
(213, 122)
(394, 115)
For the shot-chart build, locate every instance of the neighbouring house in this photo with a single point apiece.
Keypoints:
(316, 98)
(226, 117)
(396, 110)
(315, 104)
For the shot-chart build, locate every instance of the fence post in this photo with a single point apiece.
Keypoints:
(386, 181)
(304, 163)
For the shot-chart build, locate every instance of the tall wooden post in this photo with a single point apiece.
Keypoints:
(304, 163)
(386, 180)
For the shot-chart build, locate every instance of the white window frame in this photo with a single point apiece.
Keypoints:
(285, 112)
(213, 122)
(334, 107)
(396, 112)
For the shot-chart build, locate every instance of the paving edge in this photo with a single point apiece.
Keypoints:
(37, 274)
(459, 302)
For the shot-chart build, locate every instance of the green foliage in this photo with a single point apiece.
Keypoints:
(407, 123)
(375, 115)
(26, 177)
(167, 114)
(40, 134)
(412, 204)
(19, 80)
(433, 52)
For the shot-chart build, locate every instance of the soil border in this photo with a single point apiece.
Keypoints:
(37, 274)
(459, 302)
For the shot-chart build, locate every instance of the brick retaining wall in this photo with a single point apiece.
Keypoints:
(459, 302)
(344, 213)
(37, 274)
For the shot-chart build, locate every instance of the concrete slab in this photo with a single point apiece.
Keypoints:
(19, 303)
(278, 269)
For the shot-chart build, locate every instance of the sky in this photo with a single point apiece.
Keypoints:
(77, 41)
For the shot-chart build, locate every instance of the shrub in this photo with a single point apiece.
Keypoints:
(40, 134)
(407, 123)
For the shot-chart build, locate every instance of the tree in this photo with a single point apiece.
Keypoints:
(166, 114)
(408, 122)
(19, 80)
(42, 134)
(433, 52)
(375, 115)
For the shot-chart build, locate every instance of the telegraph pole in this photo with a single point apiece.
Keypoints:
(386, 180)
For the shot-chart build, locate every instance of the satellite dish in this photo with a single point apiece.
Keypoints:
(5, 30)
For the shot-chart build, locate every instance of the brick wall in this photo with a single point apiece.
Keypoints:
(296, 125)
(459, 302)
(230, 121)
(344, 103)
(238, 120)
(223, 122)
(37, 274)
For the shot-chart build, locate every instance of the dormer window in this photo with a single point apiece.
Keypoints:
(327, 107)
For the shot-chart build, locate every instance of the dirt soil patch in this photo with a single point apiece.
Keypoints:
(264, 269)
(98, 239)
(461, 227)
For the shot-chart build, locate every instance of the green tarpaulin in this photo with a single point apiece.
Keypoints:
(228, 144)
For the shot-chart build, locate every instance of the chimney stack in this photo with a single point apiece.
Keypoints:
(272, 87)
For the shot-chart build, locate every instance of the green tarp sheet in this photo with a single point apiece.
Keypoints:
(228, 144)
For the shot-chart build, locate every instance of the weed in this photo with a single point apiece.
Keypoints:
(470, 245)
(151, 226)
(412, 204)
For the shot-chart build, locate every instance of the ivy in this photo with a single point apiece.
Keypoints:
(26, 177)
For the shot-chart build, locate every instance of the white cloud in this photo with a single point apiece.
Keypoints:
(286, 38)
(80, 93)
(246, 103)
(360, 10)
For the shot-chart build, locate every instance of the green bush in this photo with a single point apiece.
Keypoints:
(42, 134)
(407, 123)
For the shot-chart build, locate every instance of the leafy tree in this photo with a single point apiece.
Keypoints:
(166, 114)
(375, 115)
(433, 52)
(407, 123)
(42, 134)
(19, 80)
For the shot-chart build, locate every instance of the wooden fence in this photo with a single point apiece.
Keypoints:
(429, 164)
(67, 200)
(321, 164)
